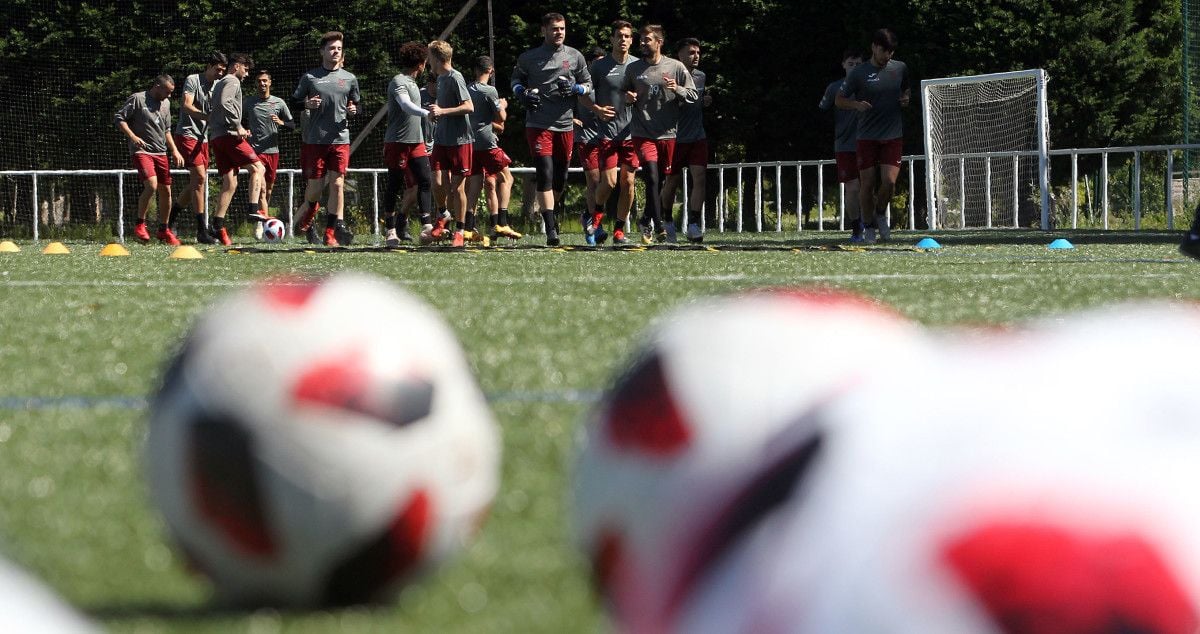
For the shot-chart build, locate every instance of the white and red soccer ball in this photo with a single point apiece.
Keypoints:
(273, 230)
(299, 458)
(707, 433)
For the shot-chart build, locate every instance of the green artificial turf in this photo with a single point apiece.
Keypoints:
(84, 339)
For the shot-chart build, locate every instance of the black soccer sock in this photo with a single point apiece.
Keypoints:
(389, 221)
(585, 219)
(426, 219)
(331, 220)
(400, 222)
(471, 222)
(502, 216)
(174, 213)
(200, 228)
(218, 223)
(618, 225)
(458, 226)
(550, 220)
(252, 209)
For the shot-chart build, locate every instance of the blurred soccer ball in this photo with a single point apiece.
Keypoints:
(273, 230)
(301, 459)
(709, 431)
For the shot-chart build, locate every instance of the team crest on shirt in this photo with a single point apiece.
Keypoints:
(566, 64)
(341, 83)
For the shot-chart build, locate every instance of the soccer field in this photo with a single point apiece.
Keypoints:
(84, 341)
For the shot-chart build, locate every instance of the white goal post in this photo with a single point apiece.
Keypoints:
(987, 143)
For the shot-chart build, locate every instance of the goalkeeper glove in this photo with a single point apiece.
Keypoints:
(530, 98)
(568, 88)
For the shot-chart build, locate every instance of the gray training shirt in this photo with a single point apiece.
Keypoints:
(587, 133)
(656, 112)
(403, 127)
(451, 93)
(201, 91)
(607, 77)
(225, 118)
(487, 109)
(880, 87)
(328, 124)
(845, 126)
(256, 117)
(428, 125)
(147, 118)
(541, 68)
(691, 114)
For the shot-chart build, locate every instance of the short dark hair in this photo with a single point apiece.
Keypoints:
(484, 64)
(261, 72)
(217, 58)
(885, 39)
(596, 52)
(852, 52)
(331, 36)
(411, 54)
(617, 25)
(688, 41)
(657, 30)
(242, 58)
(162, 80)
(551, 18)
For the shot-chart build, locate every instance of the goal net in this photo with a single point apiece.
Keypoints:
(986, 143)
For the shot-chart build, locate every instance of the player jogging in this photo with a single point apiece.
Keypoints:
(146, 120)
(262, 114)
(587, 148)
(489, 162)
(404, 151)
(845, 144)
(191, 137)
(330, 94)
(877, 90)
(657, 86)
(230, 148)
(618, 160)
(452, 144)
(547, 80)
(691, 145)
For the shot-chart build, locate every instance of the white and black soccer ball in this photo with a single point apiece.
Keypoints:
(709, 431)
(273, 230)
(300, 458)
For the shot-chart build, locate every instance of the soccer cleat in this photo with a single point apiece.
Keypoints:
(141, 233)
(694, 234)
(647, 231)
(458, 239)
(259, 216)
(552, 237)
(306, 220)
(885, 230)
(426, 235)
(601, 235)
(331, 237)
(868, 236)
(589, 237)
(477, 237)
(392, 239)
(619, 237)
(223, 237)
(439, 227)
(166, 236)
(668, 233)
(1191, 245)
(505, 231)
(311, 234)
(343, 234)
(857, 238)
(204, 237)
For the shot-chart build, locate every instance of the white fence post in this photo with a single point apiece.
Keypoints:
(36, 211)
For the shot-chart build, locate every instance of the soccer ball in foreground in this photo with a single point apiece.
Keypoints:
(301, 456)
(273, 230)
(710, 430)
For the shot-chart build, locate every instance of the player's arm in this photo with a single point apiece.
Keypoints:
(353, 98)
(465, 104)
(627, 85)
(847, 97)
(683, 86)
(407, 105)
(189, 107)
(828, 99)
(175, 155)
(304, 96)
(284, 116)
(905, 92)
(121, 119)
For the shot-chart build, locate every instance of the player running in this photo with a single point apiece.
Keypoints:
(230, 148)
(547, 80)
(191, 137)
(587, 148)
(452, 144)
(845, 143)
(262, 115)
(146, 120)
(691, 145)
(489, 162)
(877, 91)
(617, 158)
(404, 151)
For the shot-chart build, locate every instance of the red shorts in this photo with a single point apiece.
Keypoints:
(847, 166)
(315, 160)
(452, 158)
(194, 151)
(397, 155)
(589, 156)
(232, 152)
(661, 151)
(872, 153)
(621, 152)
(489, 162)
(688, 154)
(548, 143)
(270, 165)
(152, 166)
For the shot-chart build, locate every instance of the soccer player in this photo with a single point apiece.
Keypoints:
(845, 143)
(617, 159)
(587, 148)
(330, 94)
(691, 144)
(404, 152)
(452, 143)
(877, 91)
(547, 79)
(230, 147)
(656, 86)
(146, 121)
(262, 114)
(191, 137)
(489, 162)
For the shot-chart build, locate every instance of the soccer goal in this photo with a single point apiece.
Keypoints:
(986, 144)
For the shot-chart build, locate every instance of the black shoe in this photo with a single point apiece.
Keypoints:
(343, 234)
(552, 237)
(204, 237)
(403, 235)
(1191, 245)
(312, 235)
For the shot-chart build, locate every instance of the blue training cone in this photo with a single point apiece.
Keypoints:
(928, 243)
(1061, 243)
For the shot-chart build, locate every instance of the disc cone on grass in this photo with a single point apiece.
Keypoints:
(56, 248)
(186, 252)
(114, 250)
(8, 246)
(1061, 243)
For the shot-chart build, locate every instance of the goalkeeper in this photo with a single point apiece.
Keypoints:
(547, 80)
(877, 90)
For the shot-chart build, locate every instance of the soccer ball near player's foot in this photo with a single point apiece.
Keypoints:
(300, 465)
(707, 431)
(273, 230)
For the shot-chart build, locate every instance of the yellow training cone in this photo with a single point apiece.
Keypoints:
(8, 246)
(186, 252)
(55, 248)
(113, 250)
